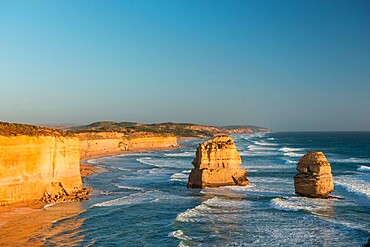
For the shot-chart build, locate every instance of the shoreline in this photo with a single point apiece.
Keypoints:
(23, 211)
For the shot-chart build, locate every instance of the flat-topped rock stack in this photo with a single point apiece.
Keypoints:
(314, 178)
(217, 163)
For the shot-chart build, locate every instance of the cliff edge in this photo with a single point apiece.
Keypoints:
(38, 164)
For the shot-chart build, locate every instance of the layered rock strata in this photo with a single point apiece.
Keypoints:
(105, 143)
(314, 178)
(36, 167)
(217, 163)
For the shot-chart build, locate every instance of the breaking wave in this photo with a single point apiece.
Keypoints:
(298, 203)
(287, 150)
(354, 184)
(289, 162)
(138, 198)
(364, 169)
(260, 143)
(293, 154)
(214, 209)
(145, 161)
(183, 176)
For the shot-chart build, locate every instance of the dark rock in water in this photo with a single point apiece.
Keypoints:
(314, 178)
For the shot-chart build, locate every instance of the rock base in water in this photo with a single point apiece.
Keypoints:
(314, 178)
(216, 178)
(55, 192)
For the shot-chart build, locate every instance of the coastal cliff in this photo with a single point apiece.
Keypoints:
(217, 163)
(105, 143)
(38, 164)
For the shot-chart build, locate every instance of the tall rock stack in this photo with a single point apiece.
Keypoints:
(314, 177)
(217, 163)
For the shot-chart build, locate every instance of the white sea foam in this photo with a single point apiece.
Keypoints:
(298, 203)
(293, 154)
(261, 143)
(211, 210)
(181, 244)
(140, 197)
(179, 234)
(287, 150)
(124, 169)
(184, 154)
(364, 169)
(289, 162)
(193, 214)
(96, 161)
(145, 161)
(351, 160)
(127, 187)
(179, 177)
(127, 200)
(254, 147)
(354, 184)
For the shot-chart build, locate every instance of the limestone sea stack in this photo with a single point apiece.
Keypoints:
(217, 163)
(314, 178)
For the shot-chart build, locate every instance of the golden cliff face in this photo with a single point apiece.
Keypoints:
(152, 142)
(217, 163)
(30, 165)
(105, 143)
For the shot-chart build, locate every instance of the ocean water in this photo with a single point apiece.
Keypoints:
(142, 199)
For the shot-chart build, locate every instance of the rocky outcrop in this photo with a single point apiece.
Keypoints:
(55, 192)
(314, 178)
(105, 143)
(217, 163)
(31, 166)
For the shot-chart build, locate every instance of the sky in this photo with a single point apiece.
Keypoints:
(287, 65)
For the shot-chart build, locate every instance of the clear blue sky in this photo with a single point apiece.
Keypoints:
(287, 65)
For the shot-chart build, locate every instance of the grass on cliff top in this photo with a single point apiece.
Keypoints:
(168, 128)
(14, 129)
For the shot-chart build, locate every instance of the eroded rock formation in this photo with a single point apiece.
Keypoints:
(217, 163)
(314, 178)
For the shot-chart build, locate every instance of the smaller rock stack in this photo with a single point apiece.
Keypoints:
(314, 177)
(217, 163)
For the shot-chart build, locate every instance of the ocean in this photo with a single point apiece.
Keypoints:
(141, 199)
